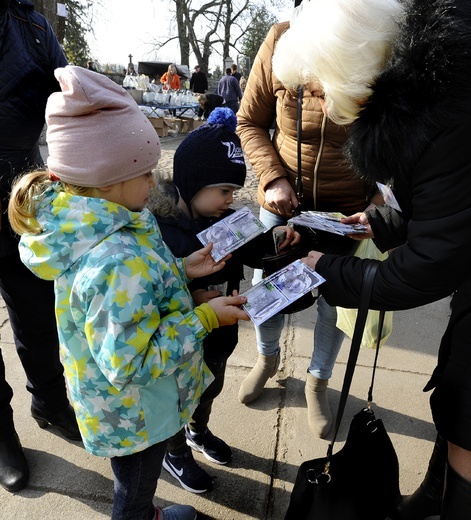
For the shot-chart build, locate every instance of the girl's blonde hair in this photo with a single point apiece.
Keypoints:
(26, 192)
(340, 44)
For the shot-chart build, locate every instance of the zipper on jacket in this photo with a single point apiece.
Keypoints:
(319, 154)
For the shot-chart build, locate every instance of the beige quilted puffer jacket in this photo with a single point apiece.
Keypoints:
(328, 183)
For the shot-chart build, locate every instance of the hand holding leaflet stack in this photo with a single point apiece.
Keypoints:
(280, 289)
(231, 233)
(327, 221)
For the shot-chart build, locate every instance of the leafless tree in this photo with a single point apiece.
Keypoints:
(207, 27)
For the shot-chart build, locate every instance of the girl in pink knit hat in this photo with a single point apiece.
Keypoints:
(130, 334)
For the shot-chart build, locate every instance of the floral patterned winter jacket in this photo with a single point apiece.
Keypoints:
(129, 333)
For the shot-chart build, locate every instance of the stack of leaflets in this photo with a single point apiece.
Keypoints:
(231, 232)
(280, 289)
(326, 221)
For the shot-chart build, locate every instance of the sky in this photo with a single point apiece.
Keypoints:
(122, 27)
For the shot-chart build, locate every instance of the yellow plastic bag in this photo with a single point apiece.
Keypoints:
(346, 318)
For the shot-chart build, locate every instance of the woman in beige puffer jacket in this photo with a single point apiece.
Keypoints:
(328, 185)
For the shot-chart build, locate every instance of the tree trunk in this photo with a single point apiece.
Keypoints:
(182, 34)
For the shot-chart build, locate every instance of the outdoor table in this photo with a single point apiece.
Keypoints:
(178, 110)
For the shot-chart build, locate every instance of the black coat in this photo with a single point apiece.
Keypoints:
(199, 82)
(414, 134)
(212, 101)
(29, 53)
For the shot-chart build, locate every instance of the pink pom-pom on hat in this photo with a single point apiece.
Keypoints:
(96, 133)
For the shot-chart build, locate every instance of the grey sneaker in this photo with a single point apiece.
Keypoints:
(212, 447)
(184, 468)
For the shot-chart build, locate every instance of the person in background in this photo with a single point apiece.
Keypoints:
(237, 75)
(91, 66)
(29, 53)
(208, 102)
(198, 81)
(229, 89)
(400, 71)
(131, 71)
(200, 196)
(170, 79)
(243, 84)
(131, 336)
(328, 185)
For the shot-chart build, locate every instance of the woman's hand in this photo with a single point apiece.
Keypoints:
(312, 258)
(201, 263)
(359, 218)
(228, 309)
(279, 195)
(292, 237)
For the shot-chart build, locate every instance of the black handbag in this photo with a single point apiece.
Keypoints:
(361, 481)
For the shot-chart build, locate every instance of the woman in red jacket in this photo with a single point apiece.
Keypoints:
(170, 79)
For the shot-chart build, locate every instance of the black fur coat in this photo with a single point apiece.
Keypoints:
(414, 133)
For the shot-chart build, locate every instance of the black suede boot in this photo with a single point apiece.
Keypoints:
(14, 472)
(64, 420)
(456, 497)
(427, 498)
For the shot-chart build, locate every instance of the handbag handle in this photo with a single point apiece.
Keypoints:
(365, 297)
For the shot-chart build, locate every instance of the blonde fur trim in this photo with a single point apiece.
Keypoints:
(341, 44)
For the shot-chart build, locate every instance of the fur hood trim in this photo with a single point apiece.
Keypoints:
(163, 200)
(425, 83)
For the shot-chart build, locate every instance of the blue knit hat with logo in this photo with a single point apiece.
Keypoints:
(210, 156)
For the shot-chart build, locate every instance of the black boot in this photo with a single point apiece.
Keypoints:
(64, 420)
(427, 498)
(456, 497)
(14, 472)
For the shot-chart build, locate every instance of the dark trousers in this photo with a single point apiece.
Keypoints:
(200, 419)
(30, 305)
(135, 482)
(233, 105)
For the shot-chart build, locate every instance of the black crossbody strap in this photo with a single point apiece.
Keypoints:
(378, 343)
(365, 297)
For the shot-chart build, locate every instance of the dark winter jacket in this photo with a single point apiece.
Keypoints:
(212, 101)
(199, 82)
(414, 133)
(179, 232)
(29, 53)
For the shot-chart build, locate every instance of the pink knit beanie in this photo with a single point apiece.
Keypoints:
(96, 133)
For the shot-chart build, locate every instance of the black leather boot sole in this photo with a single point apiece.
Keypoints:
(14, 471)
(64, 420)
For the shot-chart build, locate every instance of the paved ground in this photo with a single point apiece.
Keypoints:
(270, 438)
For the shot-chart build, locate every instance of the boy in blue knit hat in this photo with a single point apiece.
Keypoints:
(208, 167)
